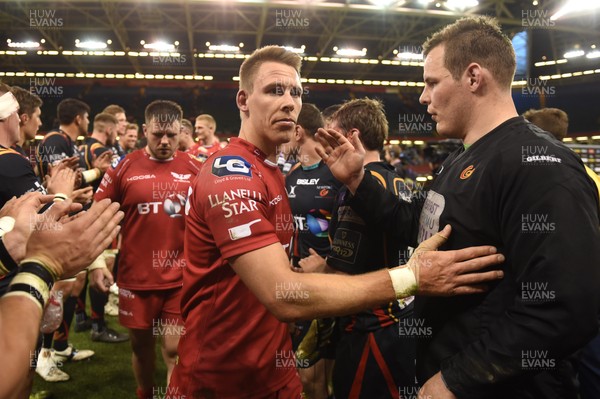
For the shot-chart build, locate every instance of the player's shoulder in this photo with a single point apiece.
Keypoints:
(9, 156)
(189, 160)
(54, 137)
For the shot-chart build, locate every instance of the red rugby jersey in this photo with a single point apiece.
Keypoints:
(232, 346)
(153, 195)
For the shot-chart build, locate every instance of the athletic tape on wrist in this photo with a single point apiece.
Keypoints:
(59, 197)
(91, 175)
(53, 275)
(31, 286)
(7, 223)
(7, 263)
(8, 105)
(98, 263)
(403, 281)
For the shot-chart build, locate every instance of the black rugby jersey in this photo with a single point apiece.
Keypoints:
(359, 246)
(311, 192)
(527, 194)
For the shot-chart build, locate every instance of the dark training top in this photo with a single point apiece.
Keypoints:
(360, 246)
(528, 195)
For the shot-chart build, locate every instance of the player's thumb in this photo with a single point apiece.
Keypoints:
(436, 241)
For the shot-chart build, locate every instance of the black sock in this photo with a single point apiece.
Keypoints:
(80, 315)
(47, 341)
(97, 302)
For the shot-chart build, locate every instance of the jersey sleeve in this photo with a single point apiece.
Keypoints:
(234, 204)
(16, 177)
(549, 220)
(397, 217)
(91, 152)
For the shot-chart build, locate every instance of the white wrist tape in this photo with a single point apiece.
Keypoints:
(91, 175)
(403, 281)
(99, 263)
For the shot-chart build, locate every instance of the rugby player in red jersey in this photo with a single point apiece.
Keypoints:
(152, 186)
(238, 287)
(208, 141)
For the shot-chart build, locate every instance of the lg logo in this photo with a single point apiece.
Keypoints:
(231, 165)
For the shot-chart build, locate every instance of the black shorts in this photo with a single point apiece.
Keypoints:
(375, 365)
(312, 341)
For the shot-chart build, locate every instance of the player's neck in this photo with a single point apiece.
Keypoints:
(21, 138)
(5, 140)
(210, 141)
(496, 111)
(100, 137)
(308, 156)
(71, 130)
(371, 156)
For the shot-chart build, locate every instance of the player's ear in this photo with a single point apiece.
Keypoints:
(241, 100)
(298, 133)
(23, 119)
(144, 130)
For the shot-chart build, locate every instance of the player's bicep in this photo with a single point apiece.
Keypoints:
(263, 271)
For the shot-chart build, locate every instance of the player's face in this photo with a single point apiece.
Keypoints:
(163, 138)
(129, 139)
(204, 130)
(83, 123)
(275, 102)
(31, 127)
(111, 134)
(122, 123)
(444, 96)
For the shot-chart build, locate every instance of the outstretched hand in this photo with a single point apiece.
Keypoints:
(343, 156)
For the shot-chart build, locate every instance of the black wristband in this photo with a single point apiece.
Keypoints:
(7, 263)
(29, 289)
(38, 270)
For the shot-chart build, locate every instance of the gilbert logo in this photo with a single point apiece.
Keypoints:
(465, 174)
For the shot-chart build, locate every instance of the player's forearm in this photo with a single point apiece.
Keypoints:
(19, 327)
(310, 295)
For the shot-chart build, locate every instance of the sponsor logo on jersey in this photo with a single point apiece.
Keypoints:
(291, 193)
(276, 200)
(231, 165)
(242, 231)
(307, 182)
(174, 204)
(235, 202)
(181, 177)
(542, 159)
(465, 174)
(141, 177)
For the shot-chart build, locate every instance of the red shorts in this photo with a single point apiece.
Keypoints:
(150, 309)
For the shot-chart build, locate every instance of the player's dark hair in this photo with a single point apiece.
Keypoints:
(69, 108)
(310, 119)
(28, 101)
(366, 115)
(163, 111)
(552, 120)
(475, 39)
